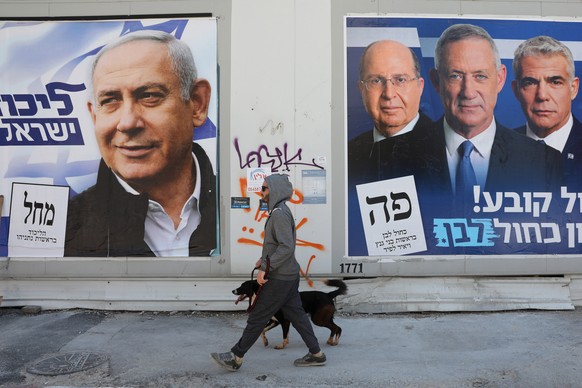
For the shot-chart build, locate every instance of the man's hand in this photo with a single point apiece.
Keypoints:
(258, 265)
(261, 278)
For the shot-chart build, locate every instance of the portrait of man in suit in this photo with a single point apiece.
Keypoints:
(390, 86)
(468, 147)
(477, 184)
(545, 86)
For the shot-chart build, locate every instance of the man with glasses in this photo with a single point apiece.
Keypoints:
(390, 85)
(545, 85)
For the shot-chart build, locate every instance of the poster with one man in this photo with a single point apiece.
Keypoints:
(123, 114)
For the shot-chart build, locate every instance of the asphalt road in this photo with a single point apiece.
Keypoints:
(501, 349)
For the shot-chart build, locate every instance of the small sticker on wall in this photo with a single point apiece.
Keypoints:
(256, 177)
(313, 185)
(263, 205)
(240, 203)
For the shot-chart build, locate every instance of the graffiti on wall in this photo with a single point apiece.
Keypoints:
(260, 216)
(278, 159)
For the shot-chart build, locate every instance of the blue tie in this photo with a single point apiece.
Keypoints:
(465, 174)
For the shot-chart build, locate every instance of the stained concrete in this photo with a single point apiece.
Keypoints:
(501, 349)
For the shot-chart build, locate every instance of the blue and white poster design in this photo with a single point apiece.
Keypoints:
(515, 220)
(46, 132)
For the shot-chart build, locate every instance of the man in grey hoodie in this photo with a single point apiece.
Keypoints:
(281, 289)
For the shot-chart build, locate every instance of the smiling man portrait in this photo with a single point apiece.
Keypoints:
(155, 190)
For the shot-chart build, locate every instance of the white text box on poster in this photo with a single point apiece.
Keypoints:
(38, 220)
(391, 217)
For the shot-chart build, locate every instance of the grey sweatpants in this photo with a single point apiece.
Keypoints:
(277, 294)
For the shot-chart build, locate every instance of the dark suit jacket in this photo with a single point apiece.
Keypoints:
(369, 162)
(571, 157)
(105, 220)
(517, 163)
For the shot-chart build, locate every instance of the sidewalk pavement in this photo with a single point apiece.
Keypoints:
(501, 349)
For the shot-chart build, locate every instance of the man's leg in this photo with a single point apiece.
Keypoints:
(293, 311)
(271, 297)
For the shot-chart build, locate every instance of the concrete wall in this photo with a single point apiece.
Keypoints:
(281, 85)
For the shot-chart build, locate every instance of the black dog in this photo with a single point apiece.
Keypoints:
(319, 305)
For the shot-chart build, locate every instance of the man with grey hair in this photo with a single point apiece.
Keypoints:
(545, 85)
(155, 190)
(469, 148)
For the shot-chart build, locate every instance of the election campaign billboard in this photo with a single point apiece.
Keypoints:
(415, 185)
(93, 154)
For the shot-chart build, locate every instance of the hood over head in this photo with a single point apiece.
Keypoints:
(280, 189)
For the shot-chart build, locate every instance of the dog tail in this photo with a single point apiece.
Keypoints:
(342, 288)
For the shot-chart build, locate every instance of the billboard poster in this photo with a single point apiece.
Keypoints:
(127, 147)
(450, 141)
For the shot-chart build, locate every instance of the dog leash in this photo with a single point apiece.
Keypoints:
(254, 302)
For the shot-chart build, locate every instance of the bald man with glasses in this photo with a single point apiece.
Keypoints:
(391, 86)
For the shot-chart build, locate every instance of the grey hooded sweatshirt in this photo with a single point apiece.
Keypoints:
(279, 242)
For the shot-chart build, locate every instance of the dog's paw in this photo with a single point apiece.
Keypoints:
(333, 341)
(282, 345)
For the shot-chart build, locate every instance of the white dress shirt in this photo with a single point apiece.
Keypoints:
(556, 139)
(160, 234)
(378, 136)
(480, 156)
